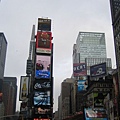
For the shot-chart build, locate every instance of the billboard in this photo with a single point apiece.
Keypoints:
(41, 84)
(43, 66)
(39, 110)
(44, 42)
(82, 85)
(42, 98)
(99, 99)
(98, 70)
(44, 24)
(24, 82)
(95, 114)
(79, 69)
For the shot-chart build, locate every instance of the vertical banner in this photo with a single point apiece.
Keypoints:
(24, 81)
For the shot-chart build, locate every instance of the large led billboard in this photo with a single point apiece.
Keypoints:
(95, 114)
(82, 85)
(24, 81)
(41, 84)
(43, 66)
(44, 24)
(79, 69)
(98, 70)
(44, 42)
(41, 98)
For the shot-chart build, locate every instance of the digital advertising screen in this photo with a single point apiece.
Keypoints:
(98, 70)
(43, 66)
(79, 69)
(44, 24)
(39, 110)
(42, 84)
(95, 114)
(44, 42)
(24, 81)
(82, 85)
(99, 99)
(42, 98)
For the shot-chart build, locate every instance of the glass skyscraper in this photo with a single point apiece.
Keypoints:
(90, 48)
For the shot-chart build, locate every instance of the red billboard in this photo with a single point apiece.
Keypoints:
(44, 42)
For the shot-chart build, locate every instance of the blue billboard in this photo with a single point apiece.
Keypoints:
(98, 70)
(82, 85)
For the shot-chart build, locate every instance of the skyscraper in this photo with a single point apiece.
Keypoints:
(10, 94)
(90, 49)
(3, 48)
(115, 14)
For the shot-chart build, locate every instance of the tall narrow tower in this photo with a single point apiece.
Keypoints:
(3, 48)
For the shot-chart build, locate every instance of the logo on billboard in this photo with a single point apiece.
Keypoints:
(42, 84)
(23, 88)
(98, 70)
(79, 69)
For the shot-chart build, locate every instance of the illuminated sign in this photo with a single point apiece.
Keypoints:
(44, 42)
(82, 85)
(44, 24)
(95, 114)
(43, 66)
(41, 98)
(41, 84)
(23, 88)
(79, 69)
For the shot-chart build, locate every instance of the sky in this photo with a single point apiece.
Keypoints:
(69, 17)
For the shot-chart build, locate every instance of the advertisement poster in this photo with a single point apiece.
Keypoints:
(44, 42)
(24, 81)
(43, 66)
(41, 98)
(82, 85)
(98, 70)
(95, 114)
(79, 69)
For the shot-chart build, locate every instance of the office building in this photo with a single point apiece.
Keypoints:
(90, 48)
(10, 94)
(3, 48)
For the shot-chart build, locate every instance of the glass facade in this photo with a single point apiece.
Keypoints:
(91, 45)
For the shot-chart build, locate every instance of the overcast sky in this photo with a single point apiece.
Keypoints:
(69, 17)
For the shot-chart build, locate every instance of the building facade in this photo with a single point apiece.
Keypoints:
(10, 94)
(115, 14)
(3, 49)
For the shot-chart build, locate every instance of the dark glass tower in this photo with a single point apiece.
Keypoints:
(3, 48)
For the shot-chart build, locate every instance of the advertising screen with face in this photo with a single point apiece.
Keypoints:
(42, 98)
(43, 69)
